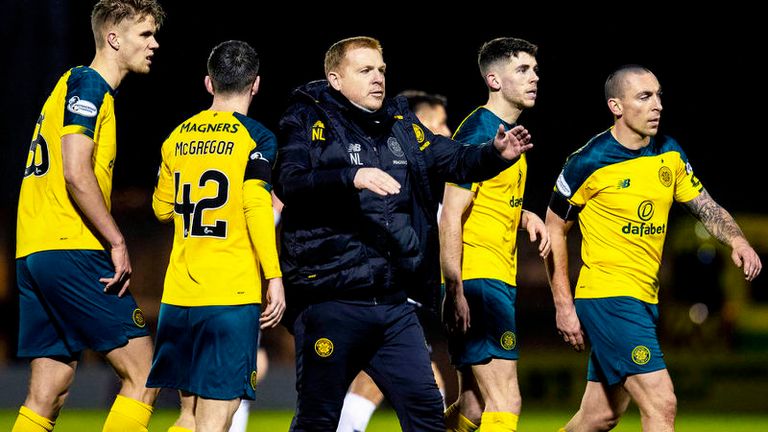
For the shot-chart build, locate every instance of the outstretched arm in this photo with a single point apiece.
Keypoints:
(458, 162)
(568, 325)
(723, 227)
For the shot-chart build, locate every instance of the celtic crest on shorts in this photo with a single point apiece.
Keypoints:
(508, 340)
(641, 355)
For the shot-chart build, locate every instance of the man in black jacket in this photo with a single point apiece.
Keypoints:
(361, 178)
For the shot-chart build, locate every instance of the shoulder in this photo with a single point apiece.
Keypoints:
(583, 162)
(477, 127)
(87, 81)
(591, 155)
(666, 144)
(85, 91)
(304, 104)
(263, 137)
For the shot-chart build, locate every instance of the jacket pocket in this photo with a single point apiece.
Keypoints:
(325, 260)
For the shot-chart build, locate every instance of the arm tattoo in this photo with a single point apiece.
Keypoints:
(716, 219)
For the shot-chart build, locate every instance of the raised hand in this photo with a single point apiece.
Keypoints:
(512, 143)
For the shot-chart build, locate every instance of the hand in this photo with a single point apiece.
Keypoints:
(455, 311)
(122, 263)
(376, 181)
(536, 229)
(513, 143)
(569, 327)
(275, 301)
(747, 259)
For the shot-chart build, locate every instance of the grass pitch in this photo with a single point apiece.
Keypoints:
(385, 421)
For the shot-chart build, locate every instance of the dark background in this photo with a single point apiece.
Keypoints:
(709, 63)
(708, 60)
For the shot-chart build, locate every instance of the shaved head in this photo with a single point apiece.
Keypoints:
(615, 84)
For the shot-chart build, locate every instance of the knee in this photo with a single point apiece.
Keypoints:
(46, 401)
(604, 420)
(471, 409)
(666, 407)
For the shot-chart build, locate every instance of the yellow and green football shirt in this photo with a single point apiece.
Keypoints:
(622, 198)
(490, 228)
(214, 165)
(47, 219)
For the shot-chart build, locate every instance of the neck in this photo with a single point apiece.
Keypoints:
(628, 137)
(502, 108)
(362, 107)
(109, 68)
(238, 103)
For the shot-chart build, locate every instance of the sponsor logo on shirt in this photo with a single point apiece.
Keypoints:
(78, 106)
(562, 185)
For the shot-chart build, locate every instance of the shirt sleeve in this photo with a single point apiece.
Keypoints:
(85, 96)
(687, 185)
(257, 204)
(163, 198)
(572, 188)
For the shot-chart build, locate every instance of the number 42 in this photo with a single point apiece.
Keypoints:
(192, 213)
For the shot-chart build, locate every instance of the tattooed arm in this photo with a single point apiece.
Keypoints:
(721, 225)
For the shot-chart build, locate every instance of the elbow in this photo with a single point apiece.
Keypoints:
(449, 220)
(73, 179)
(163, 216)
(163, 211)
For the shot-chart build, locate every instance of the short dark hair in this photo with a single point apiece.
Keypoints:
(417, 99)
(233, 66)
(116, 11)
(502, 49)
(335, 54)
(614, 84)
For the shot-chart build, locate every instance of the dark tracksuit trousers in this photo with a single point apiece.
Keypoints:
(385, 340)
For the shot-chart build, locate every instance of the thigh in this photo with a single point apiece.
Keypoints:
(174, 349)
(225, 345)
(650, 390)
(333, 342)
(132, 363)
(622, 334)
(209, 351)
(493, 334)
(39, 335)
(68, 280)
(402, 369)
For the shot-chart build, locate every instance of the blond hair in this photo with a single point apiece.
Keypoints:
(116, 11)
(335, 54)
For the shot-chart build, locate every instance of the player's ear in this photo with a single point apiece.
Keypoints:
(492, 81)
(255, 86)
(209, 85)
(113, 40)
(614, 104)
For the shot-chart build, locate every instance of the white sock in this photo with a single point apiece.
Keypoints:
(355, 414)
(240, 419)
